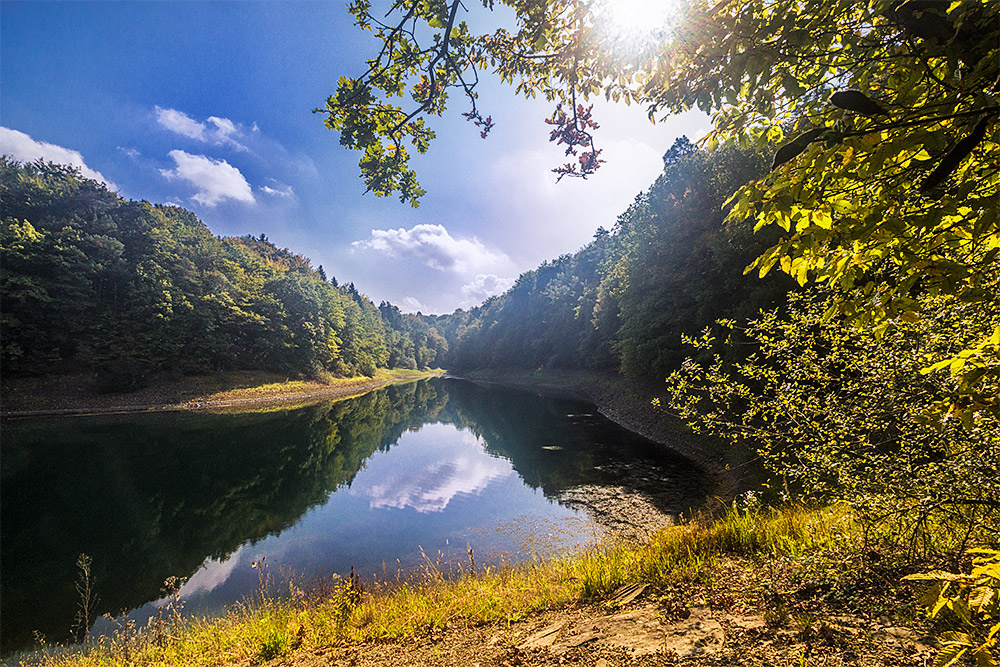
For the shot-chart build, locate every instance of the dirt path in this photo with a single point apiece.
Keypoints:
(643, 633)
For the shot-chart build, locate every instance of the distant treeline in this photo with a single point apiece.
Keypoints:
(125, 288)
(91, 281)
(669, 266)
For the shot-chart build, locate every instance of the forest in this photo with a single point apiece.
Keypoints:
(124, 289)
(670, 265)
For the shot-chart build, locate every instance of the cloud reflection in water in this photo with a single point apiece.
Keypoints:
(438, 470)
(210, 575)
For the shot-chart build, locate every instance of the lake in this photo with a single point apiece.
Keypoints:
(381, 483)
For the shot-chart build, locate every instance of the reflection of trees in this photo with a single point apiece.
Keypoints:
(558, 444)
(152, 497)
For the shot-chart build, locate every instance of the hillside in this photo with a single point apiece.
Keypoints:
(124, 289)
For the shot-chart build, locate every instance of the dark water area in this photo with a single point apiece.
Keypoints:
(373, 483)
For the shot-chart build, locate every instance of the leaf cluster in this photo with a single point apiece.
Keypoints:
(971, 602)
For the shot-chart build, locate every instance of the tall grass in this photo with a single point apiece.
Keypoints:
(433, 598)
(689, 553)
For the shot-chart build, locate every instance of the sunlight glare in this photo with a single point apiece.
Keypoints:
(632, 16)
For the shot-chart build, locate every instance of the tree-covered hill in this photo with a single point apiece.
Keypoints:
(124, 288)
(671, 265)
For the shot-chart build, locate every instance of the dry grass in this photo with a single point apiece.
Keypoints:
(340, 612)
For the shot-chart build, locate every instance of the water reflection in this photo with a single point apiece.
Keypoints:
(436, 470)
(212, 574)
(320, 489)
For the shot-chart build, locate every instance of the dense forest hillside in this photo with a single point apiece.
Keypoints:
(124, 288)
(669, 266)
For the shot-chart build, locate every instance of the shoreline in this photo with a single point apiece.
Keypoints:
(69, 396)
(621, 400)
(628, 404)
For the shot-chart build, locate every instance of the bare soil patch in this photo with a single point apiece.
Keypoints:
(648, 633)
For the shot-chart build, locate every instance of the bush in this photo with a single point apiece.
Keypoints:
(848, 413)
(969, 605)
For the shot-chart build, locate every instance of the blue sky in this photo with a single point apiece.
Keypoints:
(209, 105)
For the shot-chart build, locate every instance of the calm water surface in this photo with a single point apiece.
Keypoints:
(371, 483)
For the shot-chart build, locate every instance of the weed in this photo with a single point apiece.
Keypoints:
(87, 600)
(776, 614)
(263, 579)
(126, 639)
(167, 614)
(344, 599)
(272, 645)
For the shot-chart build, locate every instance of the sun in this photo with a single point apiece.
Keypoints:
(638, 17)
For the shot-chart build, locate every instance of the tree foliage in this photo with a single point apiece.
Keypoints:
(885, 184)
(126, 288)
(670, 265)
(845, 415)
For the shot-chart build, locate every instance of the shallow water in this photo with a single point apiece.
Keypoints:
(384, 482)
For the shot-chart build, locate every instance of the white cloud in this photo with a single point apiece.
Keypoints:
(484, 286)
(223, 126)
(218, 131)
(23, 148)
(181, 123)
(131, 152)
(431, 488)
(434, 247)
(412, 304)
(212, 574)
(216, 180)
(280, 191)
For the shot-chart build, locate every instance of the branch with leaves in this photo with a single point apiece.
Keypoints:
(886, 112)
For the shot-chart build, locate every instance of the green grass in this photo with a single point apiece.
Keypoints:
(432, 598)
(689, 553)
